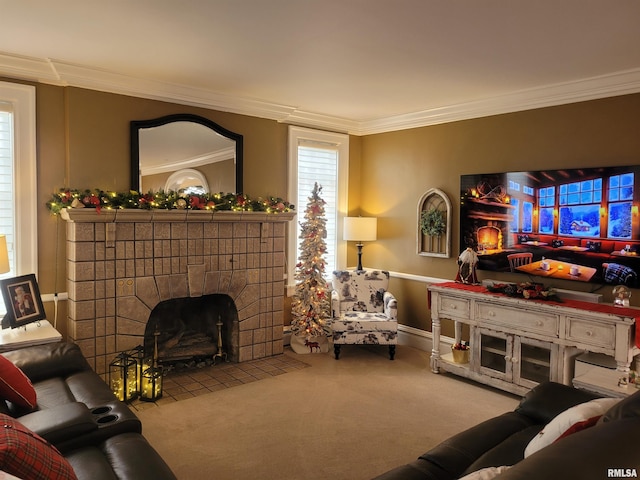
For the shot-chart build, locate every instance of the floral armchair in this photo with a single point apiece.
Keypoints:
(363, 311)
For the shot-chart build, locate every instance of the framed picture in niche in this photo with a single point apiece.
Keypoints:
(22, 300)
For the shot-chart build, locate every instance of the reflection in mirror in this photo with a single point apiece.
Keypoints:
(183, 151)
(186, 181)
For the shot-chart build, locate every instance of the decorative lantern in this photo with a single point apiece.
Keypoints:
(123, 377)
(143, 362)
(151, 384)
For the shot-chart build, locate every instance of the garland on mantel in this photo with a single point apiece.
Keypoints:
(171, 200)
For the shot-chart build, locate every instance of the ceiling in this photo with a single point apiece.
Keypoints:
(361, 66)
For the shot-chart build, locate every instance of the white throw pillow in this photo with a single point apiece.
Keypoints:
(485, 473)
(572, 420)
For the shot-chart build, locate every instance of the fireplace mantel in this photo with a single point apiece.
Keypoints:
(121, 263)
(90, 215)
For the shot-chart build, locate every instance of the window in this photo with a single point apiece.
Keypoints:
(527, 217)
(620, 202)
(515, 222)
(323, 157)
(18, 182)
(580, 208)
(546, 202)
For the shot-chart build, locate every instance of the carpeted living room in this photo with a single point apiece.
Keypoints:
(354, 418)
(314, 238)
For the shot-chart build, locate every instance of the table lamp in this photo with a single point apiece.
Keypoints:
(360, 229)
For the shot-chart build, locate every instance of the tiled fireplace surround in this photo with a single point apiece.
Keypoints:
(121, 264)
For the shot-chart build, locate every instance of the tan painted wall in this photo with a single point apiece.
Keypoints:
(398, 167)
(83, 142)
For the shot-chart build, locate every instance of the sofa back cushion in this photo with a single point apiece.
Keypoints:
(51, 360)
(570, 241)
(548, 399)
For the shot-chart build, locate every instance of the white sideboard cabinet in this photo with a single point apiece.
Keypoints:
(517, 343)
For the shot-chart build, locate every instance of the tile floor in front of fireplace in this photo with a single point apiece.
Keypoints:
(188, 383)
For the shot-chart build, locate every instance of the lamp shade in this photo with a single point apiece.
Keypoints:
(360, 229)
(4, 255)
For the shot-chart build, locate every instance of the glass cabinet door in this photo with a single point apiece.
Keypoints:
(495, 353)
(535, 361)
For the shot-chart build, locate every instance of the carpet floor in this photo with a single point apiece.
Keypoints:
(351, 419)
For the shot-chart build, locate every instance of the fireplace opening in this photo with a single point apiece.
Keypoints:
(187, 329)
(489, 238)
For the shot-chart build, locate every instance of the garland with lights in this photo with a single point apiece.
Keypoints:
(311, 301)
(171, 200)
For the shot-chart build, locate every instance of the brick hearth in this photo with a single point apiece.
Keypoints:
(121, 264)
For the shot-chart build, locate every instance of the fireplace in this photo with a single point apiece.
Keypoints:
(187, 329)
(125, 264)
(484, 224)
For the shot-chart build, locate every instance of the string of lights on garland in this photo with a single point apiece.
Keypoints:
(170, 200)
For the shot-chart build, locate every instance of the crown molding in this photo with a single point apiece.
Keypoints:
(610, 85)
(61, 73)
(28, 68)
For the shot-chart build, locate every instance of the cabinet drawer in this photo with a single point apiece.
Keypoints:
(520, 319)
(458, 307)
(592, 333)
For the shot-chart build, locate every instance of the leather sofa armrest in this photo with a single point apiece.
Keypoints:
(62, 423)
(547, 400)
(132, 456)
(41, 362)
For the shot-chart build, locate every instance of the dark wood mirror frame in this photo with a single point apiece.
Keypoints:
(137, 125)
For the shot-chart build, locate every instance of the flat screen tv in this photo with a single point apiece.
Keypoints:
(568, 224)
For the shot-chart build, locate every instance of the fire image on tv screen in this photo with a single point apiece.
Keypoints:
(573, 224)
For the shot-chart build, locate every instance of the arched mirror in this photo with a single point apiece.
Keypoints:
(185, 147)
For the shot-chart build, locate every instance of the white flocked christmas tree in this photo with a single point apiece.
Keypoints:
(311, 304)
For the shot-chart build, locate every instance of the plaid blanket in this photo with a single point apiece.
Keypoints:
(620, 274)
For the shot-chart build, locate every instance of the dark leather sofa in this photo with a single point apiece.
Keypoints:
(593, 453)
(78, 414)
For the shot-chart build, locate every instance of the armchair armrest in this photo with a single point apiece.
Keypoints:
(335, 304)
(390, 305)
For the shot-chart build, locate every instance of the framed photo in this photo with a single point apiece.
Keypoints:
(22, 299)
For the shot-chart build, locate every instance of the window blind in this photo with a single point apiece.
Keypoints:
(7, 219)
(319, 163)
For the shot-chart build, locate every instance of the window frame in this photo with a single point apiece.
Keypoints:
(340, 142)
(22, 99)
